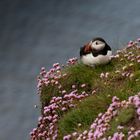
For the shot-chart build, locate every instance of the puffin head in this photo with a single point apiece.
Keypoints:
(95, 44)
(98, 43)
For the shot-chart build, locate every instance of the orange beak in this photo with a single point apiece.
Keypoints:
(88, 47)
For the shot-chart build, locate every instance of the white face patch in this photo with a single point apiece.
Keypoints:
(98, 45)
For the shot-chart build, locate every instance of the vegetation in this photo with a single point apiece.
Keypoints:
(81, 95)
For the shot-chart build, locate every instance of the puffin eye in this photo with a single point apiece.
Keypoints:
(96, 43)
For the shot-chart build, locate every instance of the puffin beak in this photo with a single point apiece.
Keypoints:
(88, 47)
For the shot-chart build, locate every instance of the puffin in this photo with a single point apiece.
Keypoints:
(96, 52)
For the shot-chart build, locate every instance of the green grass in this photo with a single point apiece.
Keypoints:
(84, 114)
(88, 109)
(126, 116)
(76, 74)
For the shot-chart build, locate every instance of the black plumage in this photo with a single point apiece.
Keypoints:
(101, 52)
(94, 51)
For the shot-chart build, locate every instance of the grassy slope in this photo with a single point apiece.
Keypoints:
(88, 109)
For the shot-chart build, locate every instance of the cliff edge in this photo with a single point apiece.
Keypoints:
(84, 103)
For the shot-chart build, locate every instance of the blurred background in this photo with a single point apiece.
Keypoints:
(36, 33)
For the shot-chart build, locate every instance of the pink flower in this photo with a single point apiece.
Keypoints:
(137, 133)
(74, 134)
(138, 60)
(131, 137)
(90, 135)
(138, 39)
(138, 111)
(55, 65)
(130, 43)
(115, 99)
(43, 69)
(64, 109)
(93, 126)
(67, 137)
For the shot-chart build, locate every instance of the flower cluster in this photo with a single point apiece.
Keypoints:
(47, 124)
(72, 61)
(130, 57)
(53, 75)
(49, 78)
(120, 135)
(130, 53)
(102, 123)
(133, 43)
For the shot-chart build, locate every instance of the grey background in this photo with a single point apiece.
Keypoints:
(36, 33)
